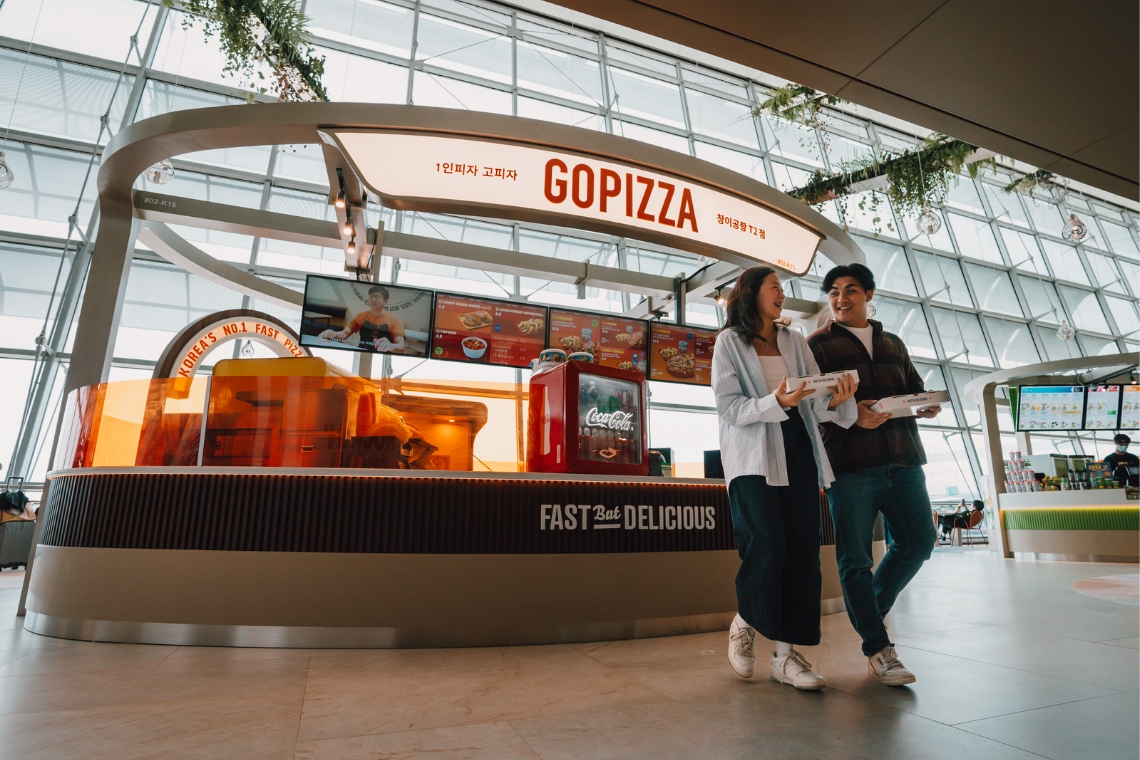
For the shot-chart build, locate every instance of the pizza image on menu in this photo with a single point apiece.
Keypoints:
(681, 365)
(487, 331)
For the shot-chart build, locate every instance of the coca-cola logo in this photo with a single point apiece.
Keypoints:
(612, 420)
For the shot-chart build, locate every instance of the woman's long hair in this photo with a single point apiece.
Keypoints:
(742, 314)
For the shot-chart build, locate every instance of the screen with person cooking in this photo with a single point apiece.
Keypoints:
(487, 331)
(365, 316)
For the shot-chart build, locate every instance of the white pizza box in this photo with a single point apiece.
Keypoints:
(905, 406)
(821, 384)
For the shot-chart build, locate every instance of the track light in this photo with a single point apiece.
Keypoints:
(340, 202)
(349, 230)
(720, 299)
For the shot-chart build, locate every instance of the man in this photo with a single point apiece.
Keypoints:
(1121, 458)
(878, 467)
(379, 330)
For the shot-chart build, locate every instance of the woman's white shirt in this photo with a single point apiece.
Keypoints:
(774, 371)
(749, 415)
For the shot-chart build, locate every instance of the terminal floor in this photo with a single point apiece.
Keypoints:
(1011, 663)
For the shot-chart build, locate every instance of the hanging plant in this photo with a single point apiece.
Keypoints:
(253, 32)
(796, 103)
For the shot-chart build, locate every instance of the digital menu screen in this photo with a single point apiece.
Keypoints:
(487, 331)
(1050, 407)
(365, 316)
(615, 341)
(1102, 407)
(679, 354)
(1130, 407)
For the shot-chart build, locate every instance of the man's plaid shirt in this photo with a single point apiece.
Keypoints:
(891, 373)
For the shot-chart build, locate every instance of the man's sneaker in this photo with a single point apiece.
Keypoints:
(794, 670)
(740, 654)
(888, 669)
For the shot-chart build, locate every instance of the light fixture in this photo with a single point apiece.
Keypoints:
(348, 229)
(928, 222)
(351, 248)
(160, 173)
(6, 175)
(1075, 230)
(340, 200)
(1065, 331)
(720, 299)
(871, 310)
(247, 350)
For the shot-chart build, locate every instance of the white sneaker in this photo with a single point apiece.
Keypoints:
(888, 669)
(794, 670)
(740, 654)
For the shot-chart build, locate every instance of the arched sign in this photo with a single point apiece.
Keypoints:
(189, 348)
(503, 179)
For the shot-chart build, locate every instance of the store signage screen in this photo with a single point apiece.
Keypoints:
(365, 316)
(1102, 407)
(679, 354)
(487, 331)
(614, 341)
(1130, 408)
(544, 184)
(1050, 407)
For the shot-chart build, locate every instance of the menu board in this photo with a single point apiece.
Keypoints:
(1102, 407)
(365, 316)
(1050, 407)
(1130, 408)
(615, 341)
(679, 354)
(487, 331)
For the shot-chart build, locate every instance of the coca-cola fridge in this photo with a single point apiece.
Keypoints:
(588, 418)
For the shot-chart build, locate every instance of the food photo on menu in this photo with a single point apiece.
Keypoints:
(612, 340)
(365, 316)
(487, 331)
(681, 354)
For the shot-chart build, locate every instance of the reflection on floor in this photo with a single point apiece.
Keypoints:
(1011, 663)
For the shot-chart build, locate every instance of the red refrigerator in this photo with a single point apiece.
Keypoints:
(588, 418)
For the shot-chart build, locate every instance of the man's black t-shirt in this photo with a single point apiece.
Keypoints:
(1115, 459)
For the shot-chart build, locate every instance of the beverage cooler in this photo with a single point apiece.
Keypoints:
(588, 418)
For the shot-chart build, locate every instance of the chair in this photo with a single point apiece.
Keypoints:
(969, 525)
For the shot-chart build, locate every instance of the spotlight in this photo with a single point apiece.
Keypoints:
(348, 229)
(352, 249)
(160, 173)
(720, 299)
(6, 176)
(340, 200)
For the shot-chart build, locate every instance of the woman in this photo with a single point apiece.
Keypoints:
(774, 465)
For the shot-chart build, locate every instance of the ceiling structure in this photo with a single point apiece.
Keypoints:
(1053, 83)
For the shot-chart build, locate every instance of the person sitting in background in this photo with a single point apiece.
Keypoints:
(960, 519)
(1121, 458)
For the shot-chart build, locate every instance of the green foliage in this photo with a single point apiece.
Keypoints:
(273, 32)
(1026, 185)
(796, 103)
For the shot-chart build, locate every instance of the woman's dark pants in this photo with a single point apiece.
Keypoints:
(777, 535)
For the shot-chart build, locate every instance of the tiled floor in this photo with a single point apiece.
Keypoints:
(1011, 663)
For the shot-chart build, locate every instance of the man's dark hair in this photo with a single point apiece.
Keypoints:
(1122, 440)
(742, 315)
(381, 290)
(859, 272)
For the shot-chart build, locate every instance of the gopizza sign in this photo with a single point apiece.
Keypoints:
(515, 181)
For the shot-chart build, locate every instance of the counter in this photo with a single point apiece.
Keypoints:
(1093, 526)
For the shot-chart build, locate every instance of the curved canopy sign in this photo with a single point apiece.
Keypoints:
(493, 178)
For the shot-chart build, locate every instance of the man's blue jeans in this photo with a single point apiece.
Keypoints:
(855, 499)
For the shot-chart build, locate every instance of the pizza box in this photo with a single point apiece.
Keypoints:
(906, 406)
(821, 384)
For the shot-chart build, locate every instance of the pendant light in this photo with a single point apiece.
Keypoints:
(160, 173)
(6, 175)
(247, 351)
(1074, 230)
(1065, 331)
(928, 222)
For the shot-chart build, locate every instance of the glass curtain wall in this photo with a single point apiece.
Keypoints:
(988, 290)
